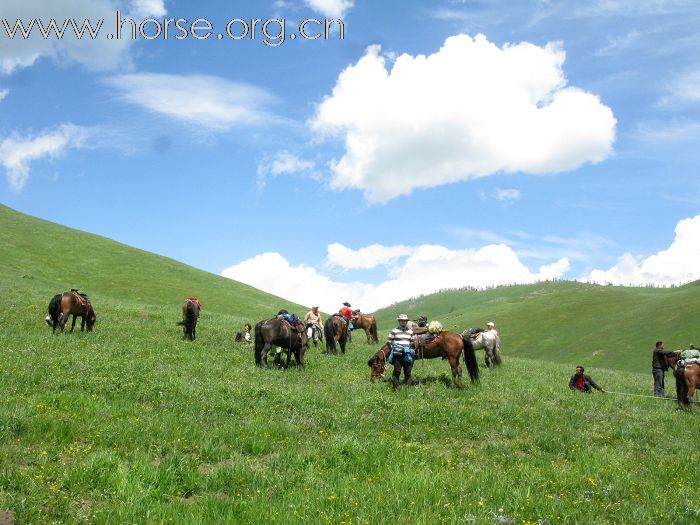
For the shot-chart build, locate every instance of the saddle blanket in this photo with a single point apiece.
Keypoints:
(688, 362)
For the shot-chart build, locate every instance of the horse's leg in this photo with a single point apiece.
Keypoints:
(342, 345)
(263, 354)
(72, 326)
(194, 330)
(454, 364)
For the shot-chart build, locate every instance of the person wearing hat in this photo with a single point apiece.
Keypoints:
(313, 323)
(490, 327)
(399, 341)
(346, 312)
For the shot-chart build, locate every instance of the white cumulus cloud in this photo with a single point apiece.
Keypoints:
(17, 152)
(676, 265)
(427, 269)
(470, 110)
(207, 101)
(331, 8)
(100, 53)
(4, 93)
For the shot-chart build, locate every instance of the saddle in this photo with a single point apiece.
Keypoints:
(81, 298)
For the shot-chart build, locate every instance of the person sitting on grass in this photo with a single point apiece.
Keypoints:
(582, 382)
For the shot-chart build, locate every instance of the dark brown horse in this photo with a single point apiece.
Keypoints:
(190, 314)
(335, 330)
(687, 380)
(447, 345)
(74, 303)
(369, 324)
(278, 332)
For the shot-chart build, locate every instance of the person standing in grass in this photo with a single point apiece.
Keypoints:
(399, 341)
(582, 382)
(659, 365)
(314, 324)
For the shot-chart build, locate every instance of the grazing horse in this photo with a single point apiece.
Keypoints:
(335, 329)
(447, 345)
(490, 342)
(369, 324)
(190, 314)
(687, 381)
(278, 332)
(74, 303)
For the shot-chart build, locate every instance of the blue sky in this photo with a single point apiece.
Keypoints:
(438, 145)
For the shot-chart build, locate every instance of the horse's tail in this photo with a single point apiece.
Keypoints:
(259, 343)
(681, 388)
(497, 358)
(470, 359)
(329, 334)
(373, 331)
(191, 314)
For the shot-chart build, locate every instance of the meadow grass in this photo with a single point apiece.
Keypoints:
(132, 424)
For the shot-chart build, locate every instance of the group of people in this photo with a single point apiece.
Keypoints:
(659, 366)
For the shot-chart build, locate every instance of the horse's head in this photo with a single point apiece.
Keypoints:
(377, 364)
(91, 319)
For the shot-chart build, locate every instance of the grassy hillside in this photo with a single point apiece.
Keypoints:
(44, 258)
(570, 322)
(132, 425)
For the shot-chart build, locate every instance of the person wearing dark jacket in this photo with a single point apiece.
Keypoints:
(582, 382)
(659, 365)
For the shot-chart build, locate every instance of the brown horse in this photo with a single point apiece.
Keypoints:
(687, 380)
(335, 329)
(369, 324)
(190, 314)
(79, 305)
(447, 345)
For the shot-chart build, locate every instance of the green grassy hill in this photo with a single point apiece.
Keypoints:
(41, 259)
(570, 322)
(131, 424)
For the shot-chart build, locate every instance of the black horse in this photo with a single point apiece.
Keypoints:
(278, 332)
(335, 329)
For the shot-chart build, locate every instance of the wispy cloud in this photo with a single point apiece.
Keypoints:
(210, 102)
(4, 93)
(331, 8)
(18, 152)
(678, 130)
(508, 194)
(683, 89)
(285, 163)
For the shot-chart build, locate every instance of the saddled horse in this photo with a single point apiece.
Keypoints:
(335, 330)
(190, 314)
(278, 332)
(687, 381)
(446, 345)
(78, 304)
(369, 324)
(490, 342)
